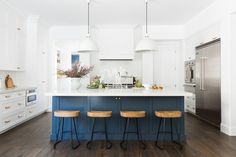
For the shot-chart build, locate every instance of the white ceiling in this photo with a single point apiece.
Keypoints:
(73, 12)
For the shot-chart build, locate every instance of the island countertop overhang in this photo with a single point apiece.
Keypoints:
(118, 92)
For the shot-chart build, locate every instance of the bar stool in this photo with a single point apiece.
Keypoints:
(99, 114)
(70, 115)
(171, 115)
(136, 115)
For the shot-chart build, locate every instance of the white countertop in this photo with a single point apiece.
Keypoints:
(16, 89)
(116, 92)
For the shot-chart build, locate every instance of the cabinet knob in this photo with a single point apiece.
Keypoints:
(116, 98)
(20, 116)
(7, 107)
(119, 98)
(19, 104)
(7, 96)
(30, 111)
(18, 68)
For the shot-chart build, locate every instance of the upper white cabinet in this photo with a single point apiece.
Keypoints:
(12, 39)
(116, 43)
(204, 36)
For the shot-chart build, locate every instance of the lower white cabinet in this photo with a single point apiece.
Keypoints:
(190, 104)
(12, 119)
(13, 110)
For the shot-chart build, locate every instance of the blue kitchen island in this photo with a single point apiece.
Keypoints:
(117, 100)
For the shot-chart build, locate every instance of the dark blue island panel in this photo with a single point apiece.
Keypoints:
(115, 124)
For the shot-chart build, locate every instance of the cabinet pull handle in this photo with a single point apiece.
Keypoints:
(20, 116)
(7, 107)
(7, 96)
(19, 104)
(214, 38)
(7, 121)
(30, 111)
(19, 94)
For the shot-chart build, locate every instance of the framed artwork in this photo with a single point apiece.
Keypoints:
(75, 58)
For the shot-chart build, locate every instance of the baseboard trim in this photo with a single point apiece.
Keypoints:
(228, 130)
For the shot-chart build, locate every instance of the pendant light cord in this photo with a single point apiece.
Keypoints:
(88, 16)
(146, 17)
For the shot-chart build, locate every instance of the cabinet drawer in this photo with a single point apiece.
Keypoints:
(10, 96)
(7, 107)
(31, 111)
(13, 119)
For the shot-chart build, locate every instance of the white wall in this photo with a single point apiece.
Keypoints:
(233, 74)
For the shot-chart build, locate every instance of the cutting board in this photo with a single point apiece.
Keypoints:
(9, 82)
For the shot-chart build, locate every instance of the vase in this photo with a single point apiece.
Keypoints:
(75, 83)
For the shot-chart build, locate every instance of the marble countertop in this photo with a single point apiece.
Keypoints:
(116, 92)
(16, 89)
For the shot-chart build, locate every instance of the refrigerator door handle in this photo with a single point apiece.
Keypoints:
(200, 73)
(203, 88)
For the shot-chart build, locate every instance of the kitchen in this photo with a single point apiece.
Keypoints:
(41, 41)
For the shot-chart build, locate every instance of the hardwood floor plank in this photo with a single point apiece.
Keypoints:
(31, 139)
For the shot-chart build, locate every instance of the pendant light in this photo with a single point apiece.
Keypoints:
(146, 44)
(88, 45)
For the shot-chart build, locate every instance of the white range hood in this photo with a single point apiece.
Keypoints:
(116, 43)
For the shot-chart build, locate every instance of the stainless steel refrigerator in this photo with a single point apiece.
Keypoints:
(208, 82)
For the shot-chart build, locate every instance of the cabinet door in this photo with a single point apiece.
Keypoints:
(20, 44)
(12, 41)
(3, 37)
(3, 48)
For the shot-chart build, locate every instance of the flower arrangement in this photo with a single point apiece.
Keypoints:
(78, 71)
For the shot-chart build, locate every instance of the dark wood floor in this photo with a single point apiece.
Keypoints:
(32, 140)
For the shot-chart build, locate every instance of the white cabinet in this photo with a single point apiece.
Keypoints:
(204, 36)
(13, 110)
(12, 40)
(190, 104)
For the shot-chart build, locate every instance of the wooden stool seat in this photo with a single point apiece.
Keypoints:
(99, 114)
(168, 114)
(67, 114)
(133, 114)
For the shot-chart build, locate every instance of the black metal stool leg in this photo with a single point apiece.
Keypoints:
(76, 134)
(108, 143)
(140, 139)
(158, 132)
(60, 128)
(91, 139)
(171, 126)
(124, 133)
(178, 134)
